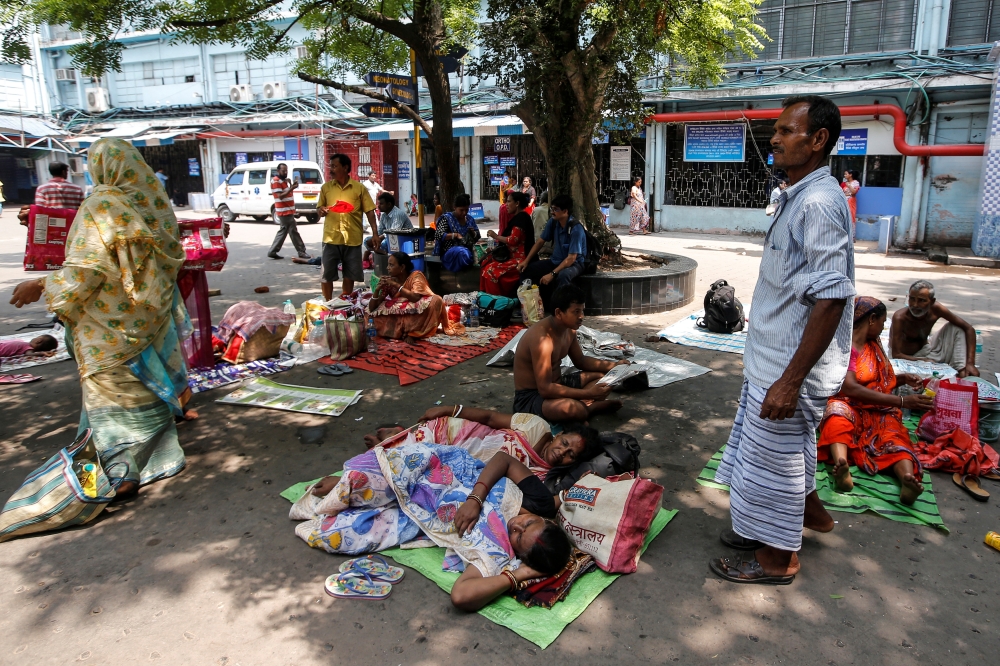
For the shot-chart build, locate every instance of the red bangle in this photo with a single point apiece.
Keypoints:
(510, 577)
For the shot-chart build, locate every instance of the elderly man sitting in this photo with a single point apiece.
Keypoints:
(954, 344)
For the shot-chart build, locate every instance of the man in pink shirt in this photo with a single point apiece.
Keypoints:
(39, 346)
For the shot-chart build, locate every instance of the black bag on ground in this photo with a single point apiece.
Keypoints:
(495, 311)
(621, 454)
(593, 256)
(723, 311)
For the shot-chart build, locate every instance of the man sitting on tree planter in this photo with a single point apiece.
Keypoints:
(569, 247)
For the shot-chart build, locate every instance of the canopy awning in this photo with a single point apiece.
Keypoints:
(467, 126)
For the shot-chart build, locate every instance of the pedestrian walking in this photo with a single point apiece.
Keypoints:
(639, 213)
(283, 189)
(796, 354)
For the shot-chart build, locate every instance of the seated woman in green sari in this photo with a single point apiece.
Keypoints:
(117, 296)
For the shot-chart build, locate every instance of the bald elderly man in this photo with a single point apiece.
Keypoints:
(910, 336)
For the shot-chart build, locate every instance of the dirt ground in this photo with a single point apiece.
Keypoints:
(204, 568)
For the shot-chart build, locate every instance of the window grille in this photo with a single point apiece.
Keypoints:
(973, 22)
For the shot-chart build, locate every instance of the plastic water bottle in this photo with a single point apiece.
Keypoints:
(289, 308)
(372, 345)
(491, 243)
(474, 315)
(979, 342)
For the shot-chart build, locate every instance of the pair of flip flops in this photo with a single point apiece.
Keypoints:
(369, 577)
(335, 370)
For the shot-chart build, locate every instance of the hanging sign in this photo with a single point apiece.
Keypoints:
(380, 110)
(491, 159)
(621, 162)
(476, 211)
(387, 169)
(241, 158)
(497, 170)
(501, 144)
(194, 169)
(403, 170)
(448, 59)
(715, 143)
(853, 141)
(508, 161)
(383, 80)
(403, 95)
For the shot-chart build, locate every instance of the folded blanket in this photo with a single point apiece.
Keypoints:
(247, 317)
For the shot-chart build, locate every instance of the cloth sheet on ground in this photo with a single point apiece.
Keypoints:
(205, 379)
(21, 362)
(482, 336)
(540, 625)
(421, 359)
(660, 368)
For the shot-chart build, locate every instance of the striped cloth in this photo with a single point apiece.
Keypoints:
(808, 256)
(770, 467)
(284, 200)
(686, 332)
(59, 193)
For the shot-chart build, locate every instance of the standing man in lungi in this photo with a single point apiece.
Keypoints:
(796, 355)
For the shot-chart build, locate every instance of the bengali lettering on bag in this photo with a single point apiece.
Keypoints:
(582, 534)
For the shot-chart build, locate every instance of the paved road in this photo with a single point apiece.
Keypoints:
(205, 569)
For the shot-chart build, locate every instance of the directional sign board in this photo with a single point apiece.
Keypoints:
(383, 80)
(380, 110)
(403, 95)
(448, 60)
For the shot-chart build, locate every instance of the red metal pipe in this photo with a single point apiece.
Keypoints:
(898, 131)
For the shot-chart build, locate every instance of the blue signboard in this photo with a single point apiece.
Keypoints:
(403, 170)
(715, 143)
(770, 159)
(387, 169)
(491, 159)
(495, 181)
(476, 211)
(241, 158)
(194, 169)
(853, 142)
(508, 161)
(280, 155)
(497, 170)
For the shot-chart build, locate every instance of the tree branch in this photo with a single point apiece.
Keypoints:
(222, 22)
(358, 90)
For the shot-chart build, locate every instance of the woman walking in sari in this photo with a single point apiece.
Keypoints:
(500, 276)
(863, 423)
(117, 296)
(851, 185)
(639, 220)
(404, 305)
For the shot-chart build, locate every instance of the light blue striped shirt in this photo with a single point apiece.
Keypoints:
(394, 220)
(808, 256)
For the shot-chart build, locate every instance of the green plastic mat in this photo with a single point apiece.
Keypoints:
(541, 626)
(878, 493)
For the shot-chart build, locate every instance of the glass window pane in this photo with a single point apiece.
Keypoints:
(236, 178)
(258, 177)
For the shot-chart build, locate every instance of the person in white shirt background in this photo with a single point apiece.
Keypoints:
(374, 189)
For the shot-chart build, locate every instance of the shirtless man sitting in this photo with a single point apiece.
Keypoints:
(540, 386)
(954, 344)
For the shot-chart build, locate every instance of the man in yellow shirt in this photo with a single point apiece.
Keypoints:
(343, 201)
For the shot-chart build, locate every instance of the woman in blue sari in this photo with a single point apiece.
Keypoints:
(455, 236)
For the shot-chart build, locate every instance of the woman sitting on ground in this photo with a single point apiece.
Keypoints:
(404, 306)
(500, 276)
(456, 235)
(863, 423)
(485, 514)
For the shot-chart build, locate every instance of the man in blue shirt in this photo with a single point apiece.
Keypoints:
(569, 246)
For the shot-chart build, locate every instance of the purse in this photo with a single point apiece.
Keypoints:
(345, 338)
(53, 497)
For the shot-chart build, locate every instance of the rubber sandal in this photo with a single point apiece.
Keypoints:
(970, 484)
(344, 368)
(991, 475)
(730, 538)
(374, 566)
(356, 585)
(740, 570)
(331, 370)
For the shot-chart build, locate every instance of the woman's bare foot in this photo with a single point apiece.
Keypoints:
(816, 517)
(910, 489)
(410, 340)
(842, 476)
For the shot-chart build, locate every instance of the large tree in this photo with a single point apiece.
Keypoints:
(348, 37)
(570, 65)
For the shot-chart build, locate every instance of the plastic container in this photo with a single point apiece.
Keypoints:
(979, 343)
(992, 540)
(989, 422)
(289, 307)
(418, 262)
(474, 316)
(372, 345)
(88, 479)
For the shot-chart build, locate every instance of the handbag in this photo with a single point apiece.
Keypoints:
(53, 497)
(495, 310)
(345, 338)
(501, 253)
(956, 406)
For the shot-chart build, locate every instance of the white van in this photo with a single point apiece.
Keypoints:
(247, 190)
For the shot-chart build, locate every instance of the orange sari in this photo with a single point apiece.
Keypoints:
(875, 436)
(398, 317)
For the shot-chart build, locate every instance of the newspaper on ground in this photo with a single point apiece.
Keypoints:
(617, 375)
(260, 392)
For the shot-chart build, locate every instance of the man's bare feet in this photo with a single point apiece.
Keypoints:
(816, 517)
(842, 475)
(776, 562)
(604, 407)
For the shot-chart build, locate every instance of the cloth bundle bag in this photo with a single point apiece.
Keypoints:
(262, 344)
(608, 518)
(345, 338)
(956, 406)
(52, 496)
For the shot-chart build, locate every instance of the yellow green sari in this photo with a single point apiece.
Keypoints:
(117, 296)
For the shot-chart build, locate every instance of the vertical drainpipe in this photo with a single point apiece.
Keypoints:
(942, 38)
(919, 42)
(934, 41)
(910, 181)
(649, 181)
(925, 185)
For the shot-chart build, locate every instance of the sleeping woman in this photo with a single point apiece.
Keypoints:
(496, 516)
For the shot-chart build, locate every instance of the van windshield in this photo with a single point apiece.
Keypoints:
(307, 176)
(236, 178)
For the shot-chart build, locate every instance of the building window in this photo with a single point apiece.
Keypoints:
(189, 78)
(973, 22)
(875, 170)
(229, 159)
(147, 70)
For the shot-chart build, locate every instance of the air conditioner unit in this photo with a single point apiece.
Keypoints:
(76, 165)
(301, 52)
(98, 100)
(241, 93)
(274, 90)
(66, 75)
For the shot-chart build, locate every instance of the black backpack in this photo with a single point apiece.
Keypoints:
(723, 311)
(490, 312)
(621, 454)
(594, 254)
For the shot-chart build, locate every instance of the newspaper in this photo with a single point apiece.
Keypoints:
(617, 375)
(260, 392)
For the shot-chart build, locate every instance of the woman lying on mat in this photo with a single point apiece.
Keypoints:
(863, 423)
(404, 305)
(387, 497)
(483, 433)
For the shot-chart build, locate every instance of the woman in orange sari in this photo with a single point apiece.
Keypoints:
(863, 423)
(404, 305)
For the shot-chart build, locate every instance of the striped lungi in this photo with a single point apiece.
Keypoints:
(770, 467)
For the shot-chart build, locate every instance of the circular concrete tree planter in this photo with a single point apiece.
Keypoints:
(641, 292)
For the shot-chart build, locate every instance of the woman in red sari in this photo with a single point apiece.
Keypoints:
(863, 423)
(499, 275)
